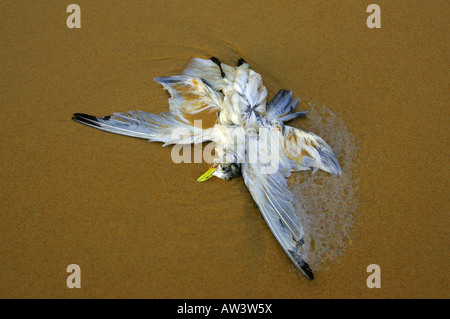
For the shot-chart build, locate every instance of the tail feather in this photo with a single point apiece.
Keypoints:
(283, 107)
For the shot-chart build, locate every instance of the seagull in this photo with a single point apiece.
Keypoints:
(249, 135)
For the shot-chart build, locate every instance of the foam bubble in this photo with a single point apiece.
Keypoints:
(327, 204)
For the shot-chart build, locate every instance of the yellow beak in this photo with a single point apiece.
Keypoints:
(207, 175)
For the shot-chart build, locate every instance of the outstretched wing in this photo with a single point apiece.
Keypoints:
(188, 97)
(270, 192)
(282, 107)
(306, 151)
(164, 127)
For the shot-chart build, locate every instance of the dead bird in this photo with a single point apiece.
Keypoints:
(250, 136)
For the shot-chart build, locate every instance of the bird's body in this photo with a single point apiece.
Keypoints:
(249, 134)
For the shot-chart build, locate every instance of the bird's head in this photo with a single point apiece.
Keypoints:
(222, 171)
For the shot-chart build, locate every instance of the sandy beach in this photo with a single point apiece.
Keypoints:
(140, 226)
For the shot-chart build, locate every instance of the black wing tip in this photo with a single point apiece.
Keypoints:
(85, 116)
(302, 265)
(240, 62)
(82, 116)
(86, 119)
(217, 61)
(306, 270)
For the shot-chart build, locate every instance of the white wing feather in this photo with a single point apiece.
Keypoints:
(164, 127)
(209, 71)
(189, 95)
(306, 150)
(270, 192)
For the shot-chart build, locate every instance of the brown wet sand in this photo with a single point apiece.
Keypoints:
(139, 225)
